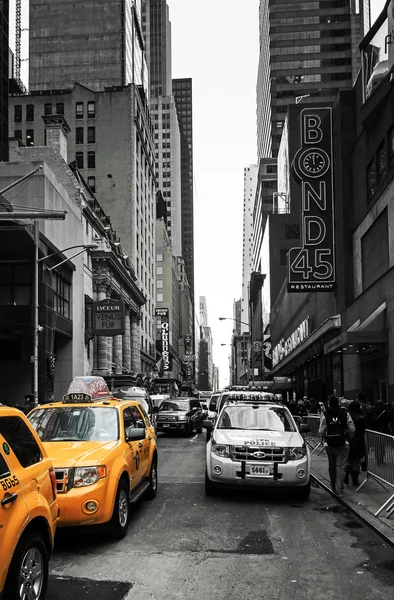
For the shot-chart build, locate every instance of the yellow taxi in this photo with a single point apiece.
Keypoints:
(28, 509)
(104, 453)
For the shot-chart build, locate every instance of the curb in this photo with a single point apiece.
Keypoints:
(385, 532)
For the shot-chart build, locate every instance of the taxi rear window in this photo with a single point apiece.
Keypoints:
(4, 470)
(21, 440)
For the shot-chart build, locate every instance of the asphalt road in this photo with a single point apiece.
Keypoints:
(183, 545)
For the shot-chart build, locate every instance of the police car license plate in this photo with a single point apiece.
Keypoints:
(166, 424)
(259, 471)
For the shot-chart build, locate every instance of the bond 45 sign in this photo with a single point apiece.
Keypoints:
(312, 267)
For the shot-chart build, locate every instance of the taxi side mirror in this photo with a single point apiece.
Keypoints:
(134, 434)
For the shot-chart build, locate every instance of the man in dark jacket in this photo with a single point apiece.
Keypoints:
(336, 429)
(356, 444)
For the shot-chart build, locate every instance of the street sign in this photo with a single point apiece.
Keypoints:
(188, 357)
(108, 317)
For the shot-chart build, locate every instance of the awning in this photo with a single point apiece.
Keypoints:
(328, 325)
(351, 342)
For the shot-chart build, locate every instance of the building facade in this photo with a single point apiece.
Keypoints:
(308, 51)
(110, 141)
(107, 35)
(250, 183)
(183, 94)
(4, 75)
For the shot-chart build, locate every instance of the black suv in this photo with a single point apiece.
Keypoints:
(180, 414)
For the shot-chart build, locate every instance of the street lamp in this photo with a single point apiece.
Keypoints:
(37, 327)
(232, 319)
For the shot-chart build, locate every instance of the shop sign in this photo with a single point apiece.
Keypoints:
(109, 317)
(267, 353)
(165, 343)
(312, 266)
(284, 347)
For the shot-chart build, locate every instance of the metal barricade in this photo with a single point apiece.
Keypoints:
(312, 438)
(380, 465)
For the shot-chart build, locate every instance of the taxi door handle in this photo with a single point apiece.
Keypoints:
(9, 499)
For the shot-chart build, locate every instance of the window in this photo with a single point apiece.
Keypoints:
(4, 470)
(79, 110)
(159, 284)
(159, 270)
(91, 109)
(371, 180)
(375, 250)
(79, 159)
(382, 162)
(292, 231)
(18, 113)
(21, 440)
(18, 134)
(79, 135)
(15, 284)
(91, 160)
(47, 109)
(61, 296)
(29, 137)
(271, 169)
(92, 184)
(91, 135)
(60, 108)
(29, 112)
(159, 297)
(159, 257)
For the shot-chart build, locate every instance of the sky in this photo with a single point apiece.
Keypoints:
(215, 42)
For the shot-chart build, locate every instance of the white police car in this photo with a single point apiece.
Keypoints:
(255, 443)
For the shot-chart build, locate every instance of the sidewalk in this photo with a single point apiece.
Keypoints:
(364, 503)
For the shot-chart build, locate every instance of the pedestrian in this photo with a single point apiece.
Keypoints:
(336, 429)
(356, 444)
(366, 408)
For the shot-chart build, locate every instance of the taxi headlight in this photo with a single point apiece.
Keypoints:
(220, 449)
(297, 453)
(88, 475)
(182, 418)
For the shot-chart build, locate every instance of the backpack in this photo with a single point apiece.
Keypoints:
(336, 427)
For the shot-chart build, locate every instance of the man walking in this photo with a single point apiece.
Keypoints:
(336, 429)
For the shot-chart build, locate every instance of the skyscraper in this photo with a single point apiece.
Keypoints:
(308, 51)
(97, 43)
(4, 14)
(183, 93)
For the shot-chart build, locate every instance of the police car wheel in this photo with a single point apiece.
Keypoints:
(28, 571)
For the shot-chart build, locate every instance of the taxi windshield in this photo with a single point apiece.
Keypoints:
(255, 417)
(76, 424)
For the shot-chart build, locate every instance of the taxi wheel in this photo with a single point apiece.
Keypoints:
(120, 517)
(28, 571)
(152, 489)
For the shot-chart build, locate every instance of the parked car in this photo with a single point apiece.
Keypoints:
(255, 443)
(180, 414)
(29, 510)
(104, 453)
(142, 396)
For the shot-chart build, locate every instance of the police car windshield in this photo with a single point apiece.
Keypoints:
(76, 423)
(254, 416)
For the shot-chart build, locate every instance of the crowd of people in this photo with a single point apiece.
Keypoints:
(342, 431)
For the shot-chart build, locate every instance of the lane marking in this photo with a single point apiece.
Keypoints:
(194, 438)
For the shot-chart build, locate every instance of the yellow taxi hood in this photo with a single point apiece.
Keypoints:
(77, 454)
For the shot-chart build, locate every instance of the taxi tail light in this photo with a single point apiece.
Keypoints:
(52, 476)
